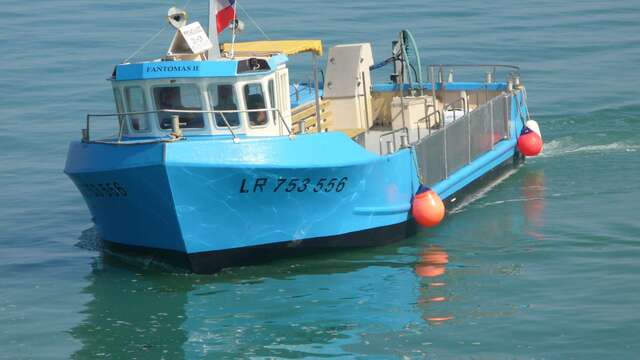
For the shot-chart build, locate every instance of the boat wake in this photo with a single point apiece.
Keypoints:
(516, 200)
(461, 206)
(566, 146)
(586, 134)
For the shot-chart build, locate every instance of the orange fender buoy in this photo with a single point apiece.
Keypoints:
(530, 142)
(428, 208)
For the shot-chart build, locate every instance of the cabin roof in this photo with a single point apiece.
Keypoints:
(196, 69)
(288, 47)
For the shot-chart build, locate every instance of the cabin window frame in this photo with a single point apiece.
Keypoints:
(245, 103)
(203, 105)
(120, 110)
(237, 101)
(283, 94)
(274, 102)
(127, 98)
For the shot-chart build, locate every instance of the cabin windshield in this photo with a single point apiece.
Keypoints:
(183, 97)
(223, 98)
(254, 97)
(117, 95)
(135, 104)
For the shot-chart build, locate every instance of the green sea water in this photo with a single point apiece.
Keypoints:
(543, 263)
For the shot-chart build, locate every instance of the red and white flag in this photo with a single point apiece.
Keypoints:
(225, 14)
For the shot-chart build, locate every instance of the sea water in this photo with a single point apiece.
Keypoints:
(544, 263)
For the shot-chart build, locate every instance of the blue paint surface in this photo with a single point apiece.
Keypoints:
(208, 186)
(214, 213)
(469, 86)
(188, 69)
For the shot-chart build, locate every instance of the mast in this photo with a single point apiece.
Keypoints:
(214, 52)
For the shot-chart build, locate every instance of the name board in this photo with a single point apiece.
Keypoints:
(171, 68)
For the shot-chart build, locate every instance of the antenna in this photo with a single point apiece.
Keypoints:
(177, 17)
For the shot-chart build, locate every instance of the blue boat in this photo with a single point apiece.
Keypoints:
(214, 158)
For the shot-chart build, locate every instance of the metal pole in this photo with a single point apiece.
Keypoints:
(175, 125)
(214, 52)
(402, 110)
(366, 103)
(433, 90)
(315, 80)
(468, 138)
(121, 129)
(491, 127)
(507, 116)
(86, 134)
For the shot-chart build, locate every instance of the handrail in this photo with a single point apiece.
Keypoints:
(426, 120)
(450, 106)
(442, 67)
(86, 132)
(509, 66)
(393, 132)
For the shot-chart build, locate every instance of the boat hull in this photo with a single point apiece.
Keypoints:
(209, 262)
(212, 196)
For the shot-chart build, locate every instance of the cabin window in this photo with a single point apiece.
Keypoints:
(117, 95)
(254, 97)
(222, 98)
(136, 103)
(183, 97)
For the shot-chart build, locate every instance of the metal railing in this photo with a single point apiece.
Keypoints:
(296, 88)
(403, 140)
(463, 140)
(122, 118)
(450, 106)
(449, 70)
(428, 124)
(439, 117)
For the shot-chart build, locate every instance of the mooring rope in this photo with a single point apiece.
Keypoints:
(145, 44)
(253, 21)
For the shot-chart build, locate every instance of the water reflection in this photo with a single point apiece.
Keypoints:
(132, 315)
(332, 305)
(432, 267)
(533, 192)
(294, 309)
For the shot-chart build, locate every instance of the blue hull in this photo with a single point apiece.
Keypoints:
(210, 196)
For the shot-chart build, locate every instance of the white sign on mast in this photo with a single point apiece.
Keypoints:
(196, 38)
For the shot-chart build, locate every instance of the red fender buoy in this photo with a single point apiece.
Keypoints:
(428, 208)
(530, 142)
